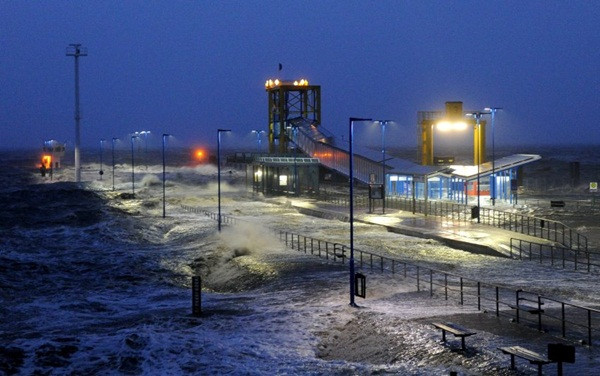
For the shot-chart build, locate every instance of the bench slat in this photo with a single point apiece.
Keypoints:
(526, 354)
(453, 328)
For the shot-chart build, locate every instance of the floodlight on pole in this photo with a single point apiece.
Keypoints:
(351, 174)
(492, 111)
(113, 162)
(219, 131)
(164, 136)
(258, 139)
(132, 166)
(76, 51)
(383, 123)
(477, 115)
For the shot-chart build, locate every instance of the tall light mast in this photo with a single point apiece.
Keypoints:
(76, 50)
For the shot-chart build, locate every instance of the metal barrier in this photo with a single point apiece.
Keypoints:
(558, 256)
(225, 219)
(558, 317)
(533, 226)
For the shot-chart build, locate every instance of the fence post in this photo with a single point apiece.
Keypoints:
(418, 287)
(461, 291)
(540, 313)
(589, 328)
(562, 319)
(430, 282)
(381, 263)
(446, 286)
(517, 305)
(478, 296)
(497, 302)
(404, 269)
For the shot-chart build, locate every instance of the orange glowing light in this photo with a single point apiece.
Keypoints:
(47, 161)
(200, 155)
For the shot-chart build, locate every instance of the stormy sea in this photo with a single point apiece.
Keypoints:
(94, 281)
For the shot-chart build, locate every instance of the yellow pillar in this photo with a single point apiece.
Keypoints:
(427, 142)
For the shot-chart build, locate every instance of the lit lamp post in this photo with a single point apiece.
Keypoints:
(164, 136)
(132, 166)
(492, 111)
(258, 140)
(145, 134)
(351, 173)
(383, 123)
(102, 141)
(219, 131)
(477, 115)
(113, 162)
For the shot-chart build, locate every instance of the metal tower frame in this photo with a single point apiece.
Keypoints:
(290, 100)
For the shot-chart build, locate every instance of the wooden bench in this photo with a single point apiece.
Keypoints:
(521, 352)
(454, 329)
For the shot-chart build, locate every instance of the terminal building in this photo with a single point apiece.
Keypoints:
(300, 148)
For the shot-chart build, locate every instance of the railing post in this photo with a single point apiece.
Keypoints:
(517, 305)
(418, 287)
(430, 282)
(540, 313)
(562, 319)
(478, 296)
(446, 286)
(497, 302)
(589, 327)
(461, 291)
(381, 263)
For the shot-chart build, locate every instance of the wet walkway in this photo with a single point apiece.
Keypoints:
(468, 236)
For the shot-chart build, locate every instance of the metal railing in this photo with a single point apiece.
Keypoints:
(225, 219)
(533, 226)
(556, 256)
(556, 316)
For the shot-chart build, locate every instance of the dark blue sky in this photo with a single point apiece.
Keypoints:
(190, 67)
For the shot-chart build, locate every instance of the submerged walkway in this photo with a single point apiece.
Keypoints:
(468, 236)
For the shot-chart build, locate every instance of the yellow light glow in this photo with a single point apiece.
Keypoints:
(295, 83)
(446, 126)
(47, 161)
(276, 82)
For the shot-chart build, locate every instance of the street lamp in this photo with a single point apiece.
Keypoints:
(492, 111)
(383, 123)
(351, 173)
(102, 141)
(132, 166)
(258, 140)
(164, 136)
(113, 161)
(477, 115)
(219, 131)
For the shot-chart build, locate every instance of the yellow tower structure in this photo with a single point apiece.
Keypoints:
(452, 119)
